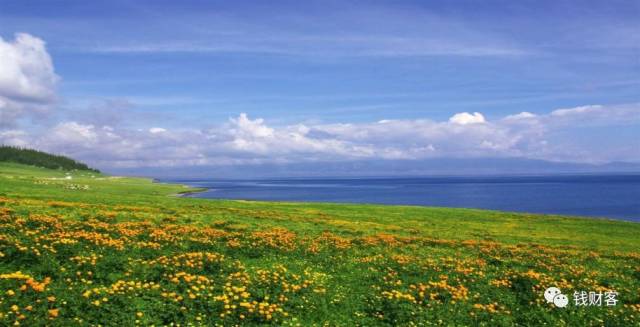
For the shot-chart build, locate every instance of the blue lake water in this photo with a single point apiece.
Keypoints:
(610, 196)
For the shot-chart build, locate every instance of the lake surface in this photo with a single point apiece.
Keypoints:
(611, 196)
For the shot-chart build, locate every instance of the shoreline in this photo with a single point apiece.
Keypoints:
(188, 192)
(193, 192)
(311, 202)
(189, 189)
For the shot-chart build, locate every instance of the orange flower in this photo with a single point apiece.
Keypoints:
(53, 313)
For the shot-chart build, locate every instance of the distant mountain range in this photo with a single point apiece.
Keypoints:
(430, 167)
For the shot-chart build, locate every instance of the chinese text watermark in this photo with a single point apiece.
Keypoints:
(581, 298)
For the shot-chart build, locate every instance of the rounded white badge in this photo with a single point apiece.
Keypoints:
(560, 300)
(550, 293)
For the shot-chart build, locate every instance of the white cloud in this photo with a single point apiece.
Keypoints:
(465, 118)
(26, 71)
(251, 128)
(14, 138)
(27, 78)
(156, 130)
(244, 140)
(72, 133)
(255, 137)
(577, 111)
(596, 115)
(521, 116)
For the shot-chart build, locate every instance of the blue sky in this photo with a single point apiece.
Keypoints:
(192, 66)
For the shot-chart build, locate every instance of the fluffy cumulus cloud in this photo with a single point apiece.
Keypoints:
(72, 133)
(246, 140)
(27, 78)
(525, 115)
(465, 118)
(157, 130)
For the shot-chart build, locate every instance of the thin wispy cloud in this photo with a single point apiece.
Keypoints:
(366, 30)
(320, 46)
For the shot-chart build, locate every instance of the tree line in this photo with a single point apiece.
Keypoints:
(40, 159)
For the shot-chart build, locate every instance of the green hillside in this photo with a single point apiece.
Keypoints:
(40, 159)
(84, 249)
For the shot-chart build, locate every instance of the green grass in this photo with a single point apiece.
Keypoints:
(353, 264)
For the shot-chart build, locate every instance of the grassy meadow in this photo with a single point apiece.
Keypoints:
(87, 249)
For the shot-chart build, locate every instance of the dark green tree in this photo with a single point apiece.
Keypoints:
(40, 159)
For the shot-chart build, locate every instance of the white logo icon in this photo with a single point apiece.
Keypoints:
(560, 300)
(555, 296)
(550, 293)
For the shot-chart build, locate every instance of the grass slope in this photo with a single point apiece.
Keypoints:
(83, 248)
(40, 159)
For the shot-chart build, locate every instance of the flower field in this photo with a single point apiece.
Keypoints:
(122, 252)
